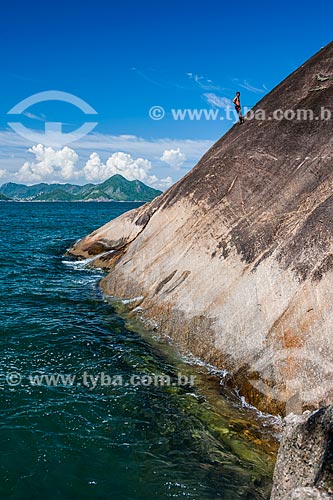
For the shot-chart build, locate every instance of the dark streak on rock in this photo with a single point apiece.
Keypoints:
(179, 281)
(98, 247)
(164, 282)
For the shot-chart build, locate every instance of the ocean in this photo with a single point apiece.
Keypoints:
(66, 431)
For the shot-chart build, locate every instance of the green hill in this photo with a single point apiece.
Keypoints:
(117, 188)
(23, 192)
(4, 198)
(57, 194)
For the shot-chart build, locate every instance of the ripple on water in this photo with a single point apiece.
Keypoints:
(119, 442)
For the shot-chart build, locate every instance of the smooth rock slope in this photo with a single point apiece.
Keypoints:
(235, 261)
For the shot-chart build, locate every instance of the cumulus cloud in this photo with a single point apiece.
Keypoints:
(161, 184)
(2, 172)
(173, 157)
(49, 165)
(118, 163)
(217, 101)
(14, 148)
(67, 165)
(127, 166)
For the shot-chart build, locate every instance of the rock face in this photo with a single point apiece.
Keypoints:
(304, 467)
(235, 261)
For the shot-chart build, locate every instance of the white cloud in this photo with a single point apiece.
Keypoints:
(173, 157)
(161, 184)
(13, 148)
(49, 165)
(249, 87)
(138, 146)
(123, 163)
(130, 168)
(52, 166)
(203, 82)
(2, 172)
(218, 101)
(14, 152)
(245, 85)
(118, 163)
(34, 117)
(94, 169)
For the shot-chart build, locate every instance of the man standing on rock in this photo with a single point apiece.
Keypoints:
(238, 107)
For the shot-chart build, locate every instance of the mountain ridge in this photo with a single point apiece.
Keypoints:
(116, 188)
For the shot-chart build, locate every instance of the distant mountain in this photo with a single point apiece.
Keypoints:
(3, 197)
(117, 188)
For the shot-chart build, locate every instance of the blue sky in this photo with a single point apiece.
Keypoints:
(124, 58)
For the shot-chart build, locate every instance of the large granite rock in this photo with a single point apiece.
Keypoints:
(235, 261)
(304, 468)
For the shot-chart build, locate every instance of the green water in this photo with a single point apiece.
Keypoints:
(121, 442)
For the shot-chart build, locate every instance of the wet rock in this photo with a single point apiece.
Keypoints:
(307, 493)
(304, 467)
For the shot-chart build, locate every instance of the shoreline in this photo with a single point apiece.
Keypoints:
(123, 308)
(129, 309)
(72, 201)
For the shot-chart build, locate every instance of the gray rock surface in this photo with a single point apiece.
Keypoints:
(304, 467)
(307, 493)
(235, 261)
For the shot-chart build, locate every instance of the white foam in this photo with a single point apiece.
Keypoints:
(266, 418)
(129, 301)
(190, 359)
(82, 264)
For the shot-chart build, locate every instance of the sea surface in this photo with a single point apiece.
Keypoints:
(73, 437)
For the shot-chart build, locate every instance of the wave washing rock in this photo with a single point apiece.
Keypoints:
(235, 261)
(304, 467)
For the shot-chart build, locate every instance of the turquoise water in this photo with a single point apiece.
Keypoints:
(110, 442)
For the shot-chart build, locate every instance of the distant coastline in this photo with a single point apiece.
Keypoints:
(114, 189)
(73, 201)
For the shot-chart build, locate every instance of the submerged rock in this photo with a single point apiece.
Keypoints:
(304, 467)
(235, 261)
